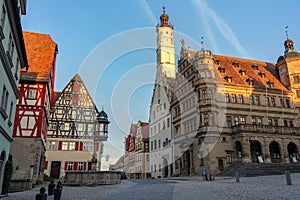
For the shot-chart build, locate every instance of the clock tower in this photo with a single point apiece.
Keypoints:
(165, 48)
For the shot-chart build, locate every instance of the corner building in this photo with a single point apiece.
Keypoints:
(228, 110)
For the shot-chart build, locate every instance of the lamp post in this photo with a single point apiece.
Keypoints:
(100, 134)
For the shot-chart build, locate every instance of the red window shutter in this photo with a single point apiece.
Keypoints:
(75, 166)
(46, 164)
(81, 146)
(66, 166)
(76, 146)
(75, 100)
(97, 147)
(84, 166)
(59, 145)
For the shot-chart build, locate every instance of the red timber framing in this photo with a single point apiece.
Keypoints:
(32, 111)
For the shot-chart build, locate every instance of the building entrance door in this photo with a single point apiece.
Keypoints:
(55, 169)
(255, 149)
(220, 164)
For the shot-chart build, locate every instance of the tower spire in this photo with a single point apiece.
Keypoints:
(286, 32)
(202, 43)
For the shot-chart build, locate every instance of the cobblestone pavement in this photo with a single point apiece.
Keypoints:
(189, 188)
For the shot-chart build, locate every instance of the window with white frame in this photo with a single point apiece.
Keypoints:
(71, 146)
(206, 121)
(32, 94)
(80, 166)
(236, 120)
(240, 98)
(70, 165)
(242, 120)
(226, 95)
(233, 98)
(64, 146)
(52, 145)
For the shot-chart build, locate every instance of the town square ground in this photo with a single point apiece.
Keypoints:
(263, 187)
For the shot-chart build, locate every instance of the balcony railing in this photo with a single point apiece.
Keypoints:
(256, 128)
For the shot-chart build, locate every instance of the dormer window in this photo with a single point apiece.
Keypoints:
(221, 69)
(250, 81)
(242, 72)
(236, 64)
(217, 61)
(270, 83)
(254, 66)
(228, 78)
(262, 74)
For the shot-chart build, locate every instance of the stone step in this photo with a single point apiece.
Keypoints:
(260, 169)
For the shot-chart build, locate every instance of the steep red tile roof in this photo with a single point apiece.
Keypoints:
(250, 72)
(266, 68)
(41, 51)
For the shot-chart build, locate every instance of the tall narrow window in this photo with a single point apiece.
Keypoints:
(3, 97)
(288, 105)
(206, 121)
(236, 120)
(296, 79)
(240, 98)
(17, 68)
(267, 101)
(70, 165)
(10, 113)
(257, 100)
(80, 166)
(273, 101)
(204, 94)
(9, 47)
(233, 98)
(3, 16)
(226, 98)
(228, 119)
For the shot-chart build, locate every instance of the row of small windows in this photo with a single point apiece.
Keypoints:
(156, 144)
(165, 124)
(153, 168)
(188, 104)
(236, 120)
(255, 100)
(190, 125)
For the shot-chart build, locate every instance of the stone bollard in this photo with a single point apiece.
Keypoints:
(237, 177)
(288, 177)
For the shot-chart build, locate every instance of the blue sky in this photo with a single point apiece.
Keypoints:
(111, 44)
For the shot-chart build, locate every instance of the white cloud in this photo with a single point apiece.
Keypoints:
(223, 27)
(148, 12)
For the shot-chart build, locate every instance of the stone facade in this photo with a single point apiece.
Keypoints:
(28, 165)
(228, 110)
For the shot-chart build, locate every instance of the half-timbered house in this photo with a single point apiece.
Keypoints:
(32, 112)
(76, 131)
